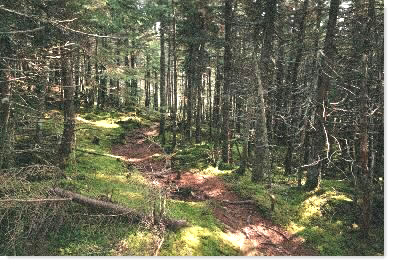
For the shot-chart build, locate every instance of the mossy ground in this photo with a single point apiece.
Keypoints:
(325, 218)
(95, 172)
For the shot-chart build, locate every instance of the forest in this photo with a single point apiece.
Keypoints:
(192, 128)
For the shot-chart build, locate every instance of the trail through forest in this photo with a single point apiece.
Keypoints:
(243, 223)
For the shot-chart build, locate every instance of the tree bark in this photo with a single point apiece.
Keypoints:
(318, 136)
(5, 101)
(294, 76)
(228, 16)
(162, 79)
(261, 165)
(365, 179)
(174, 106)
(116, 209)
(68, 137)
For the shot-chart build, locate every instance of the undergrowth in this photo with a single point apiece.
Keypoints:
(93, 171)
(327, 219)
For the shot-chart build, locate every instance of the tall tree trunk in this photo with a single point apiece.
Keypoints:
(209, 96)
(198, 116)
(248, 109)
(190, 70)
(318, 137)
(155, 103)
(216, 104)
(294, 76)
(174, 106)
(147, 83)
(88, 86)
(97, 76)
(162, 79)
(42, 90)
(5, 100)
(134, 80)
(68, 137)
(77, 77)
(228, 16)
(307, 144)
(261, 165)
(365, 178)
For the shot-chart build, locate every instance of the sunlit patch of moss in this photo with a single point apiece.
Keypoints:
(199, 241)
(311, 207)
(295, 228)
(137, 243)
(203, 237)
(109, 123)
(132, 195)
(214, 171)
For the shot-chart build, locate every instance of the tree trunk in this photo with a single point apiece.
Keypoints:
(365, 179)
(155, 103)
(5, 101)
(261, 166)
(318, 137)
(190, 70)
(174, 106)
(115, 209)
(147, 83)
(294, 73)
(68, 137)
(162, 79)
(228, 16)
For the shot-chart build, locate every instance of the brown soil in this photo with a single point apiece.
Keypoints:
(255, 235)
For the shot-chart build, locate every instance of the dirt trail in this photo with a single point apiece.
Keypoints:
(253, 234)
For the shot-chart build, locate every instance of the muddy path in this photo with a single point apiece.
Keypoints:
(243, 223)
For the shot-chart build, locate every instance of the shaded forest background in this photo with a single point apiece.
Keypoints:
(277, 91)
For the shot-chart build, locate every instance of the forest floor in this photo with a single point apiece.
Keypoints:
(118, 158)
(242, 221)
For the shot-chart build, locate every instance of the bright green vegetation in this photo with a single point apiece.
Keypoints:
(95, 172)
(326, 218)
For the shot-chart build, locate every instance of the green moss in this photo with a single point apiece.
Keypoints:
(203, 238)
(93, 171)
(192, 157)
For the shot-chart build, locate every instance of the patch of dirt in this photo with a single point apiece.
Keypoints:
(244, 225)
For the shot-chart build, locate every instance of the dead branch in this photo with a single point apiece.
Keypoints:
(35, 200)
(130, 214)
(239, 202)
(115, 209)
(159, 246)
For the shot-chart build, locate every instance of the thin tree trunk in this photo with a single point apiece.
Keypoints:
(318, 137)
(162, 79)
(155, 104)
(5, 103)
(69, 113)
(174, 106)
(228, 16)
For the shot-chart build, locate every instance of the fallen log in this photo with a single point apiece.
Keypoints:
(33, 200)
(239, 202)
(115, 209)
